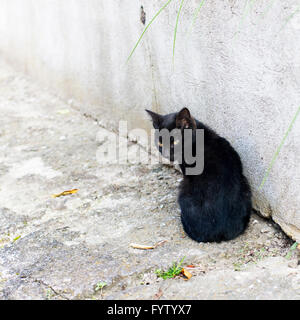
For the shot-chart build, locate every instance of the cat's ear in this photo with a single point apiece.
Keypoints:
(184, 120)
(156, 118)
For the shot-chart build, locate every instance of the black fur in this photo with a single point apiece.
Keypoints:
(215, 205)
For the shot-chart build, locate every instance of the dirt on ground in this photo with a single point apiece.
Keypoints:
(79, 246)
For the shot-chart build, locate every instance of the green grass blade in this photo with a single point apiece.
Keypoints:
(267, 9)
(195, 16)
(17, 238)
(181, 261)
(175, 30)
(290, 252)
(172, 272)
(290, 17)
(278, 149)
(148, 25)
(247, 8)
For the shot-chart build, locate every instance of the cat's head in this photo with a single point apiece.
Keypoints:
(180, 121)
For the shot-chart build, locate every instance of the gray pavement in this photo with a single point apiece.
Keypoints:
(62, 248)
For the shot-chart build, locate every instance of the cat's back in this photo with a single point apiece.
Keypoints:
(220, 158)
(216, 205)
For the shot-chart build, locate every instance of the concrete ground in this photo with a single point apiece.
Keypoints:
(78, 246)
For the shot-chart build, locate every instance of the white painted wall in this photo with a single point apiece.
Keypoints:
(238, 71)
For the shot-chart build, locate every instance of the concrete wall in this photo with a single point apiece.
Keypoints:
(238, 71)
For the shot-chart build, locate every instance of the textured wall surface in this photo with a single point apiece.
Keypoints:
(237, 69)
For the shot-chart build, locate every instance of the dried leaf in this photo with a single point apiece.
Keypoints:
(145, 247)
(65, 193)
(140, 246)
(187, 274)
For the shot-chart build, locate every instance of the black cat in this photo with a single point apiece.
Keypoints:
(216, 204)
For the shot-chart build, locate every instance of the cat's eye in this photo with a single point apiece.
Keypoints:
(175, 143)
